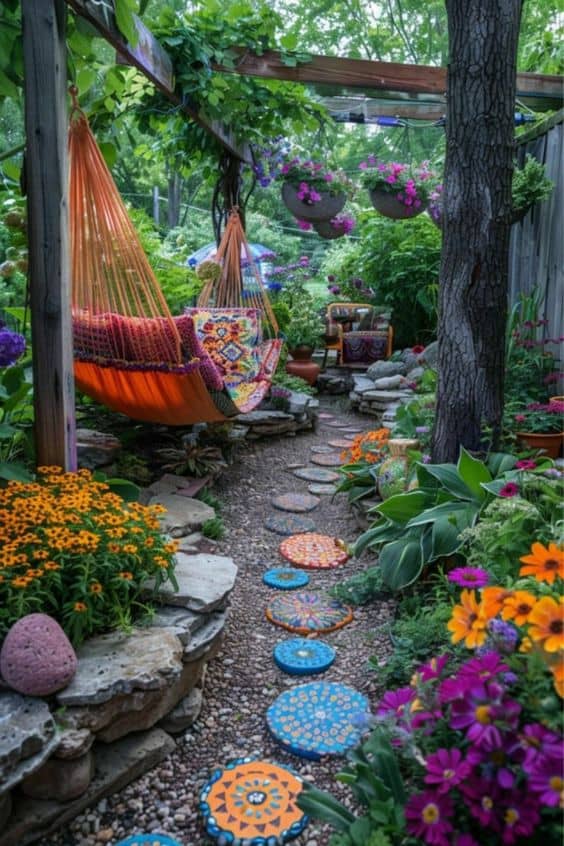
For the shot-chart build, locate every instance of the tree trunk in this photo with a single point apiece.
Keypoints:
(483, 37)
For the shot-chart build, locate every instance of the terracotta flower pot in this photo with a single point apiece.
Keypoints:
(326, 209)
(390, 206)
(550, 442)
(302, 365)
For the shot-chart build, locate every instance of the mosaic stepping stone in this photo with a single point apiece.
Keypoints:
(317, 474)
(324, 415)
(148, 840)
(313, 551)
(301, 657)
(327, 459)
(296, 502)
(318, 718)
(321, 449)
(337, 425)
(340, 443)
(295, 465)
(289, 524)
(352, 430)
(322, 490)
(252, 802)
(285, 578)
(304, 612)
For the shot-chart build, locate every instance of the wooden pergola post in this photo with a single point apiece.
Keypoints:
(46, 177)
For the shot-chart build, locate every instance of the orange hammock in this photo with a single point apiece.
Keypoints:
(131, 354)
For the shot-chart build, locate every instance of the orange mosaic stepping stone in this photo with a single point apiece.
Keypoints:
(314, 551)
(253, 802)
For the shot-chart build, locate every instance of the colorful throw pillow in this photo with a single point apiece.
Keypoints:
(230, 337)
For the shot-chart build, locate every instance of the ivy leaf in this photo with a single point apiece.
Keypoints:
(289, 41)
(7, 87)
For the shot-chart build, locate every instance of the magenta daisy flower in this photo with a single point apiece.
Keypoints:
(484, 713)
(481, 795)
(482, 668)
(540, 743)
(446, 768)
(432, 669)
(509, 490)
(469, 577)
(395, 702)
(428, 815)
(465, 840)
(526, 464)
(519, 817)
(547, 779)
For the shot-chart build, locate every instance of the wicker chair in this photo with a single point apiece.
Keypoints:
(358, 332)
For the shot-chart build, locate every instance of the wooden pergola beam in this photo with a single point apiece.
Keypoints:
(153, 61)
(46, 169)
(413, 111)
(365, 73)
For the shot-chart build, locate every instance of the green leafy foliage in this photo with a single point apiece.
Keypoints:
(398, 261)
(422, 526)
(530, 185)
(214, 528)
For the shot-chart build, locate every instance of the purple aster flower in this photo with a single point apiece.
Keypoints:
(428, 816)
(495, 763)
(504, 636)
(465, 840)
(526, 464)
(363, 166)
(425, 458)
(395, 701)
(481, 796)
(519, 817)
(446, 768)
(547, 779)
(422, 430)
(469, 577)
(335, 289)
(433, 669)
(509, 490)
(485, 712)
(539, 744)
(12, 346)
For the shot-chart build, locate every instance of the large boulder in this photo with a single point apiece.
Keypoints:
(37, 658)
(384, 369)
(430, 356)
(204, 582)
(96, 449)
(183, 514)
(27, 737)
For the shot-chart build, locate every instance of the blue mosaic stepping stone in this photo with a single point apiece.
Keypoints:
(296, 502)
(317, 474)
(253, 803)
(285, 578)
(149, 840)
(317, 719)
(303, 657)
(289, 524)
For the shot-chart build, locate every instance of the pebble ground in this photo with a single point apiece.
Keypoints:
(242, 681)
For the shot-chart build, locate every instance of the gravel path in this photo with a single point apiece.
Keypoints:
(242, 681)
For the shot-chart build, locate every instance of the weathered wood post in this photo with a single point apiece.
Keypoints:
(48, 230)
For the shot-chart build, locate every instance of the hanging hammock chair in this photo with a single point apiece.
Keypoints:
(131, 354)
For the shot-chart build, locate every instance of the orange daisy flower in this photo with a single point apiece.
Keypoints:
(493, 599)
(543, 563)
(558, 676)
(546, 624)
(467, 622)
(518, 606)
(96, 587)
(125, 575)
(80, 607)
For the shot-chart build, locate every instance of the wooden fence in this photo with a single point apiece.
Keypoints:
(536, 255)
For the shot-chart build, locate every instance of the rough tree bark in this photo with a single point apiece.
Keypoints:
(483, 37)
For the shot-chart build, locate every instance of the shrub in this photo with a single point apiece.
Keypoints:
(77, 551)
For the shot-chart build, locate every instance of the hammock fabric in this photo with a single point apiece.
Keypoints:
(131, 354)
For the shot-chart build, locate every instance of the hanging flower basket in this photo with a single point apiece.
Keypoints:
(329, 204)
(390, 206)
(338, 226)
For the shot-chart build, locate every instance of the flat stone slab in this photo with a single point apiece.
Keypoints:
(117, 764)
(335, 424)
(206, 637)
(340, 443)
(295, 502)
(183, 514)
(321, 490)
(204, 582)
(362, 383)
(254, 418)
(289, 524)
(386, 396)
(117, 663)
(28, 736)
(317, 474)
(182, 622)
(327, 459)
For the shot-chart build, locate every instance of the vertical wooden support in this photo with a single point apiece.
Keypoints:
(48, 230)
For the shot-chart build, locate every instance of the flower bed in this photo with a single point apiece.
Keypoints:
(76, 551)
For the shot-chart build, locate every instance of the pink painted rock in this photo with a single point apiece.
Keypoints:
(37, 658)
